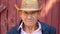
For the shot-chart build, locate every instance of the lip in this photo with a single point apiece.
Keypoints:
(29, 20)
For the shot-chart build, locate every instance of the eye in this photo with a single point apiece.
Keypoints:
(35, 11)
(25, 12)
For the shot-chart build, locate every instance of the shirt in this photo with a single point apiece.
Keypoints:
(37, 31)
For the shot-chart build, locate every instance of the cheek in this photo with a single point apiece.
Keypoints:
(36, 16)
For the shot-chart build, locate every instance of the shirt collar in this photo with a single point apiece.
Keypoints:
(21, 26)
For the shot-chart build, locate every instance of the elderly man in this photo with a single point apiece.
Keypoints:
(29, 24)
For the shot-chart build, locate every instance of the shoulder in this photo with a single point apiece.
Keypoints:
(13, 30)
(49, 28)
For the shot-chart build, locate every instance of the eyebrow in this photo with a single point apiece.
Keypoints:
(31, 12)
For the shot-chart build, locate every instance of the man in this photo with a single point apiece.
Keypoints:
(29, 24)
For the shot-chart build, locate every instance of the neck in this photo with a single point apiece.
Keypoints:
(30, 29)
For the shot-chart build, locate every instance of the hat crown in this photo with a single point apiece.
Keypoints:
(30, 4)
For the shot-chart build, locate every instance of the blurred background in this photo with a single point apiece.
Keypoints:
(9, 16)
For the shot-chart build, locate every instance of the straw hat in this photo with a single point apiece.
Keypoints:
(28, 5)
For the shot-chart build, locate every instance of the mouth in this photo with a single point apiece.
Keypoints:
(29, 20)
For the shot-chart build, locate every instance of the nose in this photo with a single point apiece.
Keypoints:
(29, 17)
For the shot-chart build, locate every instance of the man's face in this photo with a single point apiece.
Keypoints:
(29, 18)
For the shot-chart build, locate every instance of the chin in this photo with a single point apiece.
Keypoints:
(30, 24)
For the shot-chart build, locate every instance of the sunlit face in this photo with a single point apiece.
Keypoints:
(29, 17)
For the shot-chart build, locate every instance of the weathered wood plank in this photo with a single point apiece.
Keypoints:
(55, 17)
(2, 7)
(0, 22)
(11, 14)
(4, 22)
(59, 17)
(3, 15)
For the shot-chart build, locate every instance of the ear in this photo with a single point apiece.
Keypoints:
(38, 16)
(19, 13)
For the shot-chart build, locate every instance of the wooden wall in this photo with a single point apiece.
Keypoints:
(9, 16)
